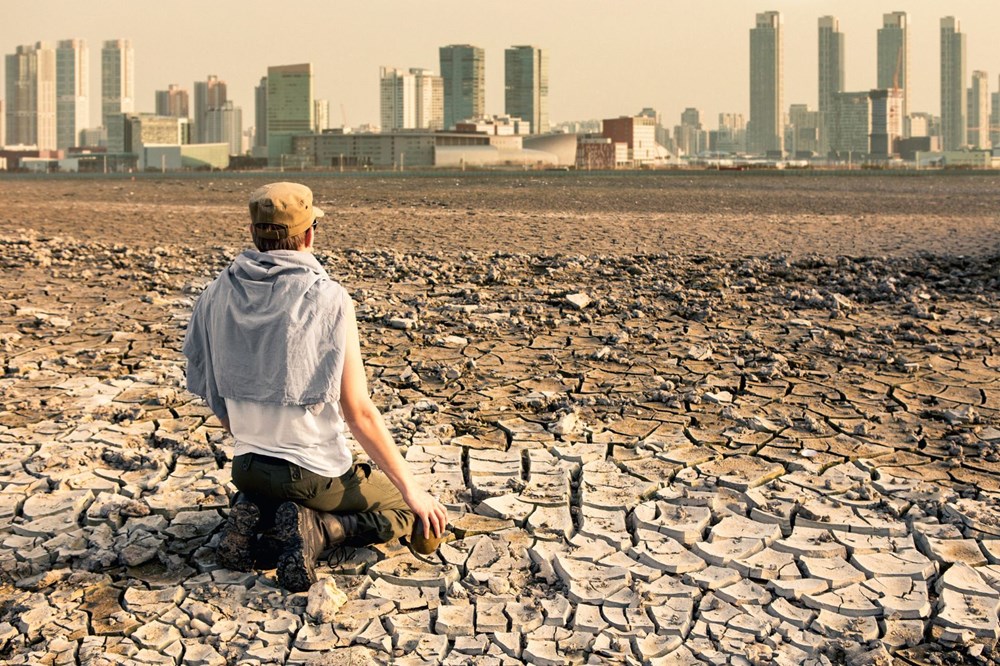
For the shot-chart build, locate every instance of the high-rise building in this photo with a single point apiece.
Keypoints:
(31, 96)
(173, 101)
(208, 94)
(886, 122)
(893, 68)
(411, 99)
(18, 86)
(289, 108)
(994, 117)
(396, 99)
(3, 124)
(852, 112)
(689, 137)
(463, 69)
(805, 130)
(979, 111)
(224, 124)
(831, 76)
(430, 99)
(731, 137)
(925, 124)
(72, 91)
(954, 102)
(526, 85)
(260, 113)
(321, 115)
(94, 137)
(662, 133)
(765, 132)
(117, 89)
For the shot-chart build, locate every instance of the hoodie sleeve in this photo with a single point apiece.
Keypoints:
(197, 349)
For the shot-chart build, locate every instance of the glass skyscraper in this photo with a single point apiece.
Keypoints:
(463, 68)
(117, 89)
(894, 56)
(289, 108)
(765, 131)
(954, 99)
(72, 91)
(831, 73)
(526, 86)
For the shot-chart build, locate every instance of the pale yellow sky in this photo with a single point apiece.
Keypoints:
(607, 58)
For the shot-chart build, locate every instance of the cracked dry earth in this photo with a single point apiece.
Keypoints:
(670, 458)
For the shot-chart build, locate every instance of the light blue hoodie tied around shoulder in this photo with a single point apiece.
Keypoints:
(271, 328)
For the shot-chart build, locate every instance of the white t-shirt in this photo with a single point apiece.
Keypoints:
(311, 438)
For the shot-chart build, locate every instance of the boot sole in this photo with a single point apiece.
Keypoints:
(234, 547)
(295, 574)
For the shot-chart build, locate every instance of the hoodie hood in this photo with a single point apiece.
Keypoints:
(271, 328)
(262, 266)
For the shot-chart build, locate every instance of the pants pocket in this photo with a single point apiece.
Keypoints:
(250, 480)
(305, 485)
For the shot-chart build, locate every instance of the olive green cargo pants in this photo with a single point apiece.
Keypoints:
(381, 513)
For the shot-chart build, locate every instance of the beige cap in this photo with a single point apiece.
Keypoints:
(288, 206)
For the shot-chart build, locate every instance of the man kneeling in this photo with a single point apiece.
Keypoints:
(273, 347)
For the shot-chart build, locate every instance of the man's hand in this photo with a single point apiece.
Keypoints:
(428, 509)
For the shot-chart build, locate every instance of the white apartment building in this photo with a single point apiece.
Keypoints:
(411, 99)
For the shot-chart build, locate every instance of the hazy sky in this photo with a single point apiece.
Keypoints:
(607, 58)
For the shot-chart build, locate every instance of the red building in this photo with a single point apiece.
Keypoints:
(636, 132)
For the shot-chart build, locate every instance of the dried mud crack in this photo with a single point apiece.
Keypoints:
(669, 457)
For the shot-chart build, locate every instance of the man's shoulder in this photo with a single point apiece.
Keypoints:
(212, 286)
(330, 291)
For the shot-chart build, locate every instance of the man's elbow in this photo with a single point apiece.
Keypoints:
(360, 412)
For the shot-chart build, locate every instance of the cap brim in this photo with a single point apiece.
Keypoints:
(318, 212)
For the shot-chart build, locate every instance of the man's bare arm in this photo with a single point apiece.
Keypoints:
(369, 429)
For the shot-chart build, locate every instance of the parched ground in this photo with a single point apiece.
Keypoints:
(731, 214)
(677, 419)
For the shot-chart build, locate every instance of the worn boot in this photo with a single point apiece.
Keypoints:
(234, 549)
(304, 534)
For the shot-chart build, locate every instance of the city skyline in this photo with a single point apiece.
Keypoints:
(347, 75)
